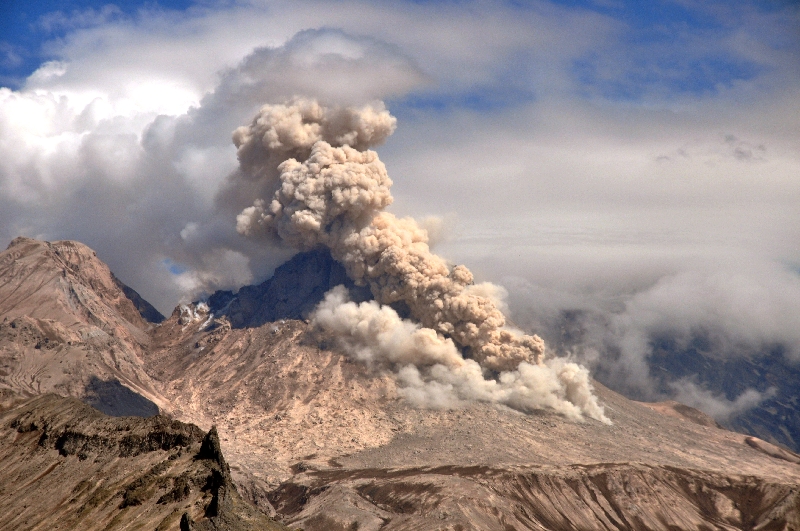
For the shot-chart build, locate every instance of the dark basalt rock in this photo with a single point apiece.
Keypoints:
(226, 510)
(210, 448)
(167, 465)
(294, 290)
(96, 433)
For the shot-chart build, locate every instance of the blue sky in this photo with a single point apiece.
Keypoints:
(31, 33)
(613, 157)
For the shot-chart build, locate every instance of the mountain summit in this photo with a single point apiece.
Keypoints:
(68, 325)
(322, 439)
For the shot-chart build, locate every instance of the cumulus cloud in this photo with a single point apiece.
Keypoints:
(119, 169)
(328, 64)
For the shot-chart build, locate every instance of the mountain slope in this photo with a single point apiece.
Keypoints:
(326, 442)
(330, 445)
(64, 465)
(67, 325)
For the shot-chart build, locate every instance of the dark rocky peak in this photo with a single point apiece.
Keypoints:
(292, 292)
(74, 428)
(211, 449)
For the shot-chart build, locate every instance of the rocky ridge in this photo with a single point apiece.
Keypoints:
(109, 473)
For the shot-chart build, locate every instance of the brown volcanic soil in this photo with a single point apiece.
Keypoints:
(327, 443)
(68, 326)
(64, 465)
(330, 445)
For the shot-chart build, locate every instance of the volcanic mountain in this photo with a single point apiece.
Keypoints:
(313, 436)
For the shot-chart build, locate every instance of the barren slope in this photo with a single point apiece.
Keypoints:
(329, 444)
(64, 465)
(67, 325)
(325, 441)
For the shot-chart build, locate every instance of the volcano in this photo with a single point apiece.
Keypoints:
(312, 437)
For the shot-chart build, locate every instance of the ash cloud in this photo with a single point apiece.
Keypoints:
(321, 186)
(87, 155)
(433, 373)
(336, 197)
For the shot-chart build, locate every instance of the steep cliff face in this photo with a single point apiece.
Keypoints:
(67, 325)
(64, 465)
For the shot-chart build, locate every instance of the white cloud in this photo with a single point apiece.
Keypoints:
(124, 142)
(718, 406)
(132, 165)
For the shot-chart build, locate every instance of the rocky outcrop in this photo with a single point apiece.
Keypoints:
(292, 292)
(64, 465)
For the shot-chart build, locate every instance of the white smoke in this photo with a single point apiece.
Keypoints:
(717, 405)
(432, 372)
(318, 184)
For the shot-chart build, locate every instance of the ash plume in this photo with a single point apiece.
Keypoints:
(433, 373)
(319, 184)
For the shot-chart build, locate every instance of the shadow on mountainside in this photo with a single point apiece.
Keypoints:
(116, 400)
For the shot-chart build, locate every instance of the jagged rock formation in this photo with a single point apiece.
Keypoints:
(64, 465)
(291, 293)
(324, 443)
(68, 325)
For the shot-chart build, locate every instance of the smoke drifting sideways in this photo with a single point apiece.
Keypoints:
(319, 184)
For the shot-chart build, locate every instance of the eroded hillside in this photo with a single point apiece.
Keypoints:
(64, 465)
(317, 438)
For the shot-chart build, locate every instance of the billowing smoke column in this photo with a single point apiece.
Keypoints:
(325, 187)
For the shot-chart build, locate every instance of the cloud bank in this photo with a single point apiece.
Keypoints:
(608, 164)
